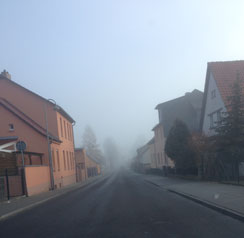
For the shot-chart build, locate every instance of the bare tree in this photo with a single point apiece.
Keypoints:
(90, 144)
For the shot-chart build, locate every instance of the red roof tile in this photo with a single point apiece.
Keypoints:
(224, 74)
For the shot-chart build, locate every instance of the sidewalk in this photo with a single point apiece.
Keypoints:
(228, 199)
(20, 204)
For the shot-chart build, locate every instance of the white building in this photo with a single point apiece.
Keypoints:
(219, 79)
(218, 87)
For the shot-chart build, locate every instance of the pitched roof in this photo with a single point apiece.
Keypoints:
(151, 141)
(58, 108)
(156, 126)
(142, 149)
(186, 108)
(224, 73)
(34, 125)
(92, 158)
(189, 97)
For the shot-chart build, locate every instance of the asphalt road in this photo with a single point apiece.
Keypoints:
(122, 205)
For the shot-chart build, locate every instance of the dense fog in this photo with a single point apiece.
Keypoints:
(109, 63)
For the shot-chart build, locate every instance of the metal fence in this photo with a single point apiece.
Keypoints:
(11, 184)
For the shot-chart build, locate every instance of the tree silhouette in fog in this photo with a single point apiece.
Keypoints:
(90, 144)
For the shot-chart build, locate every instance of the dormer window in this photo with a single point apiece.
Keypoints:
(213, 94)
(11, 127)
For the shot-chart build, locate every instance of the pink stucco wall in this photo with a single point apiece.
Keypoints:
(29, 103)
(33, 106)
(37, 179)
(34, 141)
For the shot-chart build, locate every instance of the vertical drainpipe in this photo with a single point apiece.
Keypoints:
(49, 149)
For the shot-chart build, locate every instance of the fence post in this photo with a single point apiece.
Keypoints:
(238, 172)
(6, 174)
(24, 189)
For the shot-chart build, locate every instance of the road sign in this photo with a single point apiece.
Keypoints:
(20, 145)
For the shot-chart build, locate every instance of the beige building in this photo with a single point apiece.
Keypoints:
(160, 159)
(86, 166)
(144, 158)
(151, 145)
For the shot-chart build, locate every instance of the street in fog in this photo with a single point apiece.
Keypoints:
(121, 205)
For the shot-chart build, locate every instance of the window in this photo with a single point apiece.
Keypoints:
(58, 162)
(71, 133)
(53, 159)
(69, 130)
(71, 160)
(215, 117)
(65, 130)
(213, 94)
(11, 127)
(61, 127)
(64, 160)
(219, 116)
(211, 121)
(74, 164)
(67, 156)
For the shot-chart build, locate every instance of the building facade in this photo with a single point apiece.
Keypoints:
(219, 79)
(152, 150)
(186, 108)
(25, 116)
(143, 159)
(160, 158)
(86, 166)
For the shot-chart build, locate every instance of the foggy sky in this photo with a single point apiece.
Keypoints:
(109, 63)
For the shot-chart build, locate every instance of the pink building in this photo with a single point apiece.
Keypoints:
(24, 116)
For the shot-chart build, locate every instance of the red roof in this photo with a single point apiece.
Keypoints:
(224, 74)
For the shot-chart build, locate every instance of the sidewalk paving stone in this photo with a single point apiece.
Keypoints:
(224, 196)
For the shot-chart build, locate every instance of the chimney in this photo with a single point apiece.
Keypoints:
(5, 74)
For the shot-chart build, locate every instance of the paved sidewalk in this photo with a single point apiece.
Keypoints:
(229, 198)
(20, 204)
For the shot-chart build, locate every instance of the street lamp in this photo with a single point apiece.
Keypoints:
(48, 142)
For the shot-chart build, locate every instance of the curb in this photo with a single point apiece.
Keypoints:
(28, 207)
(234, 184)
(155, 184)
(215, 207)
